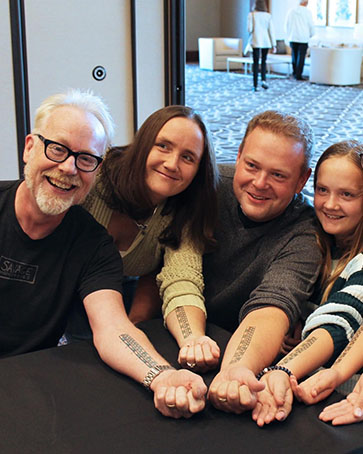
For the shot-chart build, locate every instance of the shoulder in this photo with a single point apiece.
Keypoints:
(354, 266)
(301, 206)
(226, 174)
(6, 185)
(84, 221)
(226, 170)
(298, 219)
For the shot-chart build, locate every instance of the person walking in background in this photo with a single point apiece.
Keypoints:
(299, 29)
(259, 25)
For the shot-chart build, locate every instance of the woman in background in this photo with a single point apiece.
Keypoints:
(259, 25)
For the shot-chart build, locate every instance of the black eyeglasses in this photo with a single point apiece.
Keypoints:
(57, 152)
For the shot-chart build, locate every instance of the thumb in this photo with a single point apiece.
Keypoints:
(215, 351)
(279, 392)
(255, 385)
(199, 389)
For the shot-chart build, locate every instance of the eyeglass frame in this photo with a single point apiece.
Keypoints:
(75, 154)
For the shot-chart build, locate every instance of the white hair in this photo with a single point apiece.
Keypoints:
(84, 100)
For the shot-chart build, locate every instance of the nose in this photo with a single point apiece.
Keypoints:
(171, 162)
(260, 180)
(68, 166)
(331, 202)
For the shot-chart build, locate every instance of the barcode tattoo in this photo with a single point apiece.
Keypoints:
(136, 348)
(244, 344)
(303, 346)
(350, 345)
(183, 322)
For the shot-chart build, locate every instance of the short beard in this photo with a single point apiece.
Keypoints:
(48, 205)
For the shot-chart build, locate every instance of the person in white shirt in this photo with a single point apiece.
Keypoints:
(259, 25)
(299, 29)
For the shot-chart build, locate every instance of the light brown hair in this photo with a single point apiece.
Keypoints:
(352, 150)
(286, 125)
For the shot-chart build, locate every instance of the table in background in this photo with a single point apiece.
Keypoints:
(65, 400)
(272, 60)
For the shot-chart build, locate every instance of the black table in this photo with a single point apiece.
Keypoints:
(65, 400)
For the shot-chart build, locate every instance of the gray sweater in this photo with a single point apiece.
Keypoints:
(274, 263)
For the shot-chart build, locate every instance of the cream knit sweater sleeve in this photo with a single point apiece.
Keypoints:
(181, 278)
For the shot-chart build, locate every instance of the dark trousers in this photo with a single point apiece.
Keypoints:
(298, 53)
(256, 58)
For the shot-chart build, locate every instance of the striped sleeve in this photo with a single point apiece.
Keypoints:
(342, 313)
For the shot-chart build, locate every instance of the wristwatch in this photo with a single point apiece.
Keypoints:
(154, 372)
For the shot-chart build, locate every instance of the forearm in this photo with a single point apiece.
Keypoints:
(185, 322)
(310, 354)
(351, 359)
(119, 343)
(256, 342)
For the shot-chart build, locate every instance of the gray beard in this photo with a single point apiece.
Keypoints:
(49, 205)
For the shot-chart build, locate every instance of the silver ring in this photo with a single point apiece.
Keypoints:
(170, 405)
(222, 399)
(191, 365)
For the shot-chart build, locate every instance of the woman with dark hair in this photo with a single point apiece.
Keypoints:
(157, 198)
(337, 322)
(259, 25)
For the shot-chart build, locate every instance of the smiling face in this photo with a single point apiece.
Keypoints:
(55, 187)
(174, 159)
(338, 198)
(268, 174)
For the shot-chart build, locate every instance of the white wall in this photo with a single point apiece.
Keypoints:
(202, 20)
(150, 57)
(8, 151)
(66, 40)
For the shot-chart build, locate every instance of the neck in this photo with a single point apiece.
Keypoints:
(33, 222)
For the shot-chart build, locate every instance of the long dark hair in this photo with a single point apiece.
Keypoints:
(122, 183)
(260, 5)
(352, 150)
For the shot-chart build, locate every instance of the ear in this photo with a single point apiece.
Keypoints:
(29, 144)
(302, 180)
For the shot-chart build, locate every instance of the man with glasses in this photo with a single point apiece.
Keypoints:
(53, 253)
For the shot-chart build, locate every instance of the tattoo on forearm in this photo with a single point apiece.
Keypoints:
(350, 345)
(297, 351)
(183, 322)
(138, 350)
(244, 344)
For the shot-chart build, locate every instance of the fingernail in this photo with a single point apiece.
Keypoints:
(358, 412)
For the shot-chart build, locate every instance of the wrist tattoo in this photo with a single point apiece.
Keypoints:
(183, 322)
(350, 345)
(298, 350)
(244, 344)
(136, 348)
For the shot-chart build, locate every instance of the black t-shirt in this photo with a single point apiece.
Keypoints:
(41, 279)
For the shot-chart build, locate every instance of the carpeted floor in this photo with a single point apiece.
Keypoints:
(226, 102)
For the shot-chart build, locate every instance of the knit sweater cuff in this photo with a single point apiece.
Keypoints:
(182, 294)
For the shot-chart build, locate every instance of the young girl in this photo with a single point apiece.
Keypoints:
(338, 200)
(157, 198)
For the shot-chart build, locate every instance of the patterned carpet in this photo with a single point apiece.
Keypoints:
(226, 102)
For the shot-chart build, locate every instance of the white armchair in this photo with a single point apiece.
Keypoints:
(336, 65)
(213, 52)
